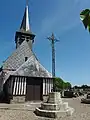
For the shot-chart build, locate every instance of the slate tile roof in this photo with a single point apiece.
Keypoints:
(17, 58)
(31, 67)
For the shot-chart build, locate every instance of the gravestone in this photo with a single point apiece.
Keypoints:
(86, 99)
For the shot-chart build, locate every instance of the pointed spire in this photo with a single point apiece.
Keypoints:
(25, 22)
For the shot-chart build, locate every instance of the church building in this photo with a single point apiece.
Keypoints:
(22, 75)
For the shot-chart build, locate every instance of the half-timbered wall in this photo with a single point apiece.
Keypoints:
(17, 85)
(47, 85)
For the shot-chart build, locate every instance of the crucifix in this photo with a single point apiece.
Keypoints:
(53, 40)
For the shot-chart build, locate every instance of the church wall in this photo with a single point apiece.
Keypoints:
(1, 81)
(17, 87)
(47, 85)
(18, 99)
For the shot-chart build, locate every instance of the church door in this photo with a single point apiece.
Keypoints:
(34, 89)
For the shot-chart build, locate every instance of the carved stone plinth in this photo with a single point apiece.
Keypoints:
(54, 97)
(54, 107)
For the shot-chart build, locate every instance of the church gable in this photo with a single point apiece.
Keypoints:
(33, 68)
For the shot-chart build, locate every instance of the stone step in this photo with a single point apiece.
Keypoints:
(55, 113)
(54, 107)
(49, 106)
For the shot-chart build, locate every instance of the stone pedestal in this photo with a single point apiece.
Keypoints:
(54, 97)
(54, 107)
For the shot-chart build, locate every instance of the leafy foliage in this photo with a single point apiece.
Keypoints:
(85, 18)
(60, 84)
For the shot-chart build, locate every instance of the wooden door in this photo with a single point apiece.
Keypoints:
(33, 89)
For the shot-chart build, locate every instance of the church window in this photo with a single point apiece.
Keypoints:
(26, 58)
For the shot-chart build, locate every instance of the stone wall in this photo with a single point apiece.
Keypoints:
(45, 98)
(18, 99)
(21, 99)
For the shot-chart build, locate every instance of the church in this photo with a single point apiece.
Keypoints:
(22, 75)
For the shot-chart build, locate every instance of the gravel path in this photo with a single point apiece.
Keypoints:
(82, 111)
(19, 112)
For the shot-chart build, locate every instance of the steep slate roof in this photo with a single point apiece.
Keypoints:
(32, 67)
(18, 56)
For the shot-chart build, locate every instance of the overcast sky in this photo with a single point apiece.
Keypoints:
(47, 16)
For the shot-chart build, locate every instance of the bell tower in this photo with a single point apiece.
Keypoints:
(24, 33)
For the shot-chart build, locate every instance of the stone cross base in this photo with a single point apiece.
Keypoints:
(54, 107)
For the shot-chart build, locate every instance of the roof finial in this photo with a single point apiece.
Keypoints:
(27, 1)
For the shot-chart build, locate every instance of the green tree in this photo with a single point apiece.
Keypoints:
(68, 85)
(85, 18)
(60, 84)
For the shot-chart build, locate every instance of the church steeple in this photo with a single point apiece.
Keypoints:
(24, 32)
(25, 22)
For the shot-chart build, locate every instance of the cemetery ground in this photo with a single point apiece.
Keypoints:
(26, 111)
